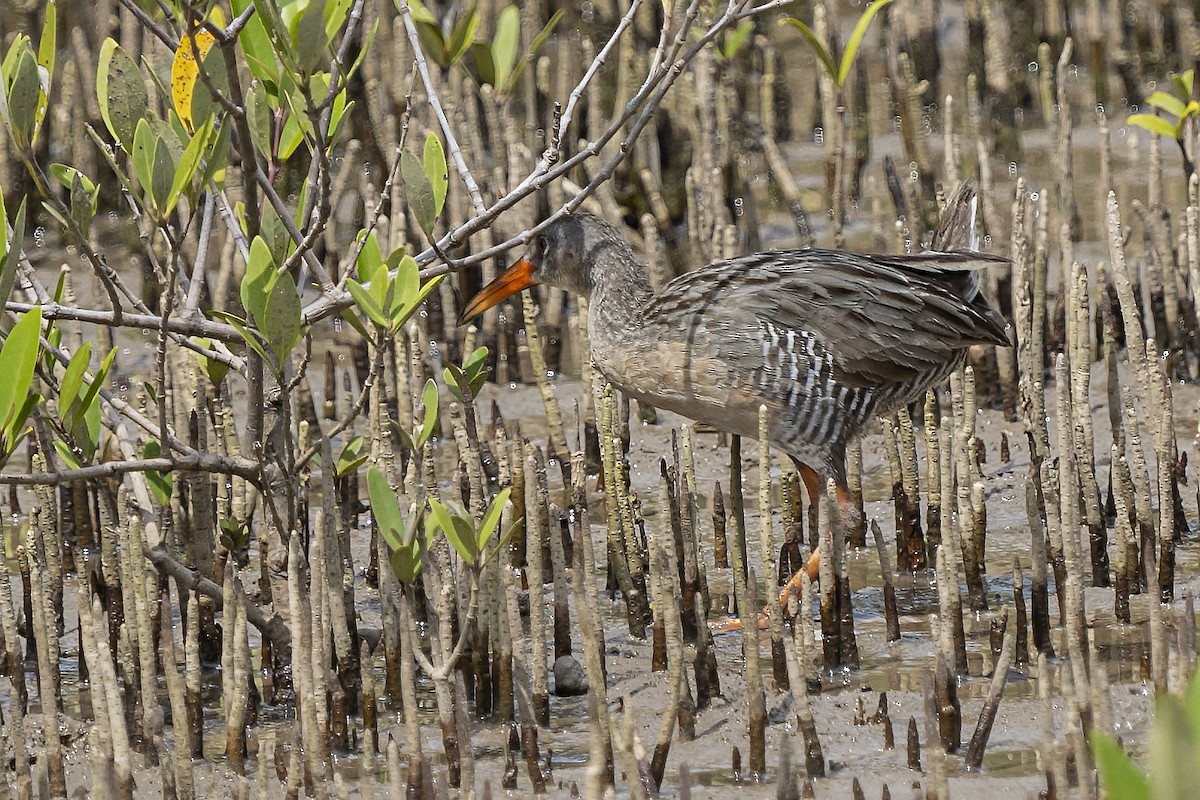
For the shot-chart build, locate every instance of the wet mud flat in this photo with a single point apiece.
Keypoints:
(849, 706)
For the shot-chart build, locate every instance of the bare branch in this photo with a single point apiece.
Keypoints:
(200, 462)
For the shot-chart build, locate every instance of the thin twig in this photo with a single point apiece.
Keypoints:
(200, 462)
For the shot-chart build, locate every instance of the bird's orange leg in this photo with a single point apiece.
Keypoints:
(812, 484)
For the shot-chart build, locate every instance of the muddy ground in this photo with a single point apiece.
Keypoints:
(1011, 766)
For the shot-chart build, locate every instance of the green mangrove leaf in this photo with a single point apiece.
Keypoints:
(214, 165)
(453, 375)
(204, 103)
(442, 519)
(88, 400)
(505, 44)
(47, 48)
(419, 192)
(24, 88)
(734, 40)
(502, 544)
(256, 285)
(121, 91)
(818, 47)
(463, 35)
(213, 369)
(1154, 124)
(534, 48)
(82, 194)
(162, 174)
(434, 162)
(281, 324)
(366, 303)
(259, 117)
(408, 289)
(249, 335)
(72, 381)
(1120, 776)
(355, 322)
(336, 14)
(159, 482)
(309, 36)
(275, 234)
(256, 45)
(386, 509)
(351, 457)
(1168, 103)
(18, 357)
(143, 158)
(485, 64)
(421, 296)
(68, 455)
(856, 37)
(369, 256)
(1172, 748)
(186, 170)
(278, 32)
(341, 106)
(10, 251)
(429, 416)
(491, 519)
(1183, 82)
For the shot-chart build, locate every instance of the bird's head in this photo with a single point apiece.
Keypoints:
(561, 255)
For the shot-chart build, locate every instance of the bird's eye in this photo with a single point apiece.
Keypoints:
(543, 244)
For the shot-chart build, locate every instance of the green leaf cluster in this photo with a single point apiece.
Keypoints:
(25, 80)
(351, 457)
(82, 195)
(235, 537)
(426, 182)
(499, 63)
(429, 419)
(273, 308)
(163, 167)
(1173, 756)
(731, 42)
(283, 44)
(171, 158)
(385, 297)
(289, 36)
(469, 539)
(406, 541)
(79, 407)
(445, 42)
(840, 71)
(1179, 106)
(469, 377)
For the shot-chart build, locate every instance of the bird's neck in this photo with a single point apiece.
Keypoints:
(619, 287)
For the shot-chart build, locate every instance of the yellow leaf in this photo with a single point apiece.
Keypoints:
(185, 71)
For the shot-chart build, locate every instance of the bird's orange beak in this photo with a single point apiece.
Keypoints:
(514, 279)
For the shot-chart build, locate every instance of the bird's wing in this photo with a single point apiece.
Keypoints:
(883, 319)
